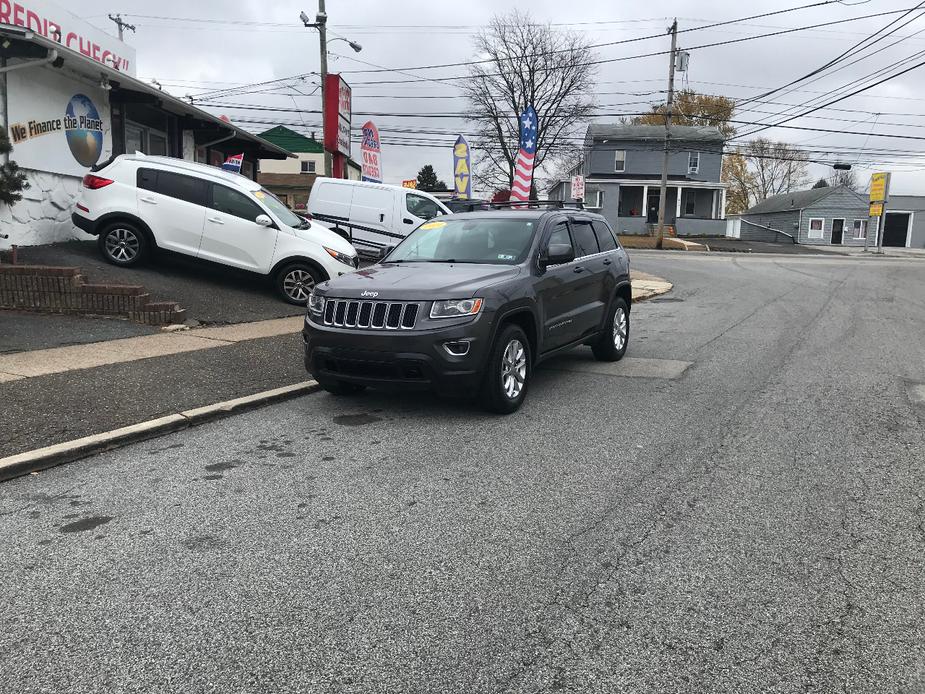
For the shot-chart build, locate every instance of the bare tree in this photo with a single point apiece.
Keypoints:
(567, 162)
(530, 64)
(844, 178)
(776, 168)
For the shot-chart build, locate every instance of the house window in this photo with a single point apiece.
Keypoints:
(693, 162)
(308, 166)
(594, 199)
(860, 228)
(816, 226)
(619, 161)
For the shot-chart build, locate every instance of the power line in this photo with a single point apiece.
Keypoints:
(845, 54)
(603, 61)
(765, 126)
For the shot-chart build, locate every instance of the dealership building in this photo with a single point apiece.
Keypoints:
(69, 100)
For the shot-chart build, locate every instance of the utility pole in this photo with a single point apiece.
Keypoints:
(663, 196)
(320, 24)
(322, 20)
(117, 18)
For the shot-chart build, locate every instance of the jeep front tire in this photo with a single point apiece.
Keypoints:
(509, 371)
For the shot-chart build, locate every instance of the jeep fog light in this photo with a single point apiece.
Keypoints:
(457, 348)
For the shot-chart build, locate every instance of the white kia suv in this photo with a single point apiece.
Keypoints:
(137, 203)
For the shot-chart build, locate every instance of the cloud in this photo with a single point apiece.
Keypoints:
(188, 57)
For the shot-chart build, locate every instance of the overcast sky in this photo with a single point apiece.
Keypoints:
(230, 48)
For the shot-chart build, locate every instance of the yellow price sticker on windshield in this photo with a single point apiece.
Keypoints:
(259, 194)
(433, 225)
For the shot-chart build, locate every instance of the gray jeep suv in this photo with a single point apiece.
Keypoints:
(471, 303)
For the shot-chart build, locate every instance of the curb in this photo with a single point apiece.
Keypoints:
(69, 451)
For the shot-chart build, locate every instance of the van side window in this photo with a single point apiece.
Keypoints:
(181, 187)
(604, 236)
(421, 207)
(147, 179)
(234, 203)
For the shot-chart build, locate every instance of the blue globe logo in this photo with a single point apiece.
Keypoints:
(84, 130)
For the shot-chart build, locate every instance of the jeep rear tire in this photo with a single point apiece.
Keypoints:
(612, 344)
(508, 372)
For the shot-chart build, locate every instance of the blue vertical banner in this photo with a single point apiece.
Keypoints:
(462, 166)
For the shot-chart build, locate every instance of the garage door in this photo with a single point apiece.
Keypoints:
(895, 229)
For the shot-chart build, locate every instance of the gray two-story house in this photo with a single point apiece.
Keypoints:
(622, 167)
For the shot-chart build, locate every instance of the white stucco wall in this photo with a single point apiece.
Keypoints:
(44, 213)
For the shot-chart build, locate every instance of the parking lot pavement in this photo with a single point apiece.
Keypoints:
(744, 516)
(210, 293)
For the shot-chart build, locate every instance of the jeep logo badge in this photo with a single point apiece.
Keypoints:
(370, 294)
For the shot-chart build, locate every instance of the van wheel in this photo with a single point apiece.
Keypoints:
(123, 244)
(508, 371)
(343, 234)
(296, 281)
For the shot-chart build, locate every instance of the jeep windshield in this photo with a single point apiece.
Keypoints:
(472, 240)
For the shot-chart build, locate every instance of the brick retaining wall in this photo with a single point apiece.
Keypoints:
(63, 290)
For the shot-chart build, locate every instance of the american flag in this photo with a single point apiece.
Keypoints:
(523, 171)
(233, 163)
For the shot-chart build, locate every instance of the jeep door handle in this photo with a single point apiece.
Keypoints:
(216, 220)
(145, 198)
(578, 269)
(606, 261)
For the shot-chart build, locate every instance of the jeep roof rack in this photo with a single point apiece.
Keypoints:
(476, 205)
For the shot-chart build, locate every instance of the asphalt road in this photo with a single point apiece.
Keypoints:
(755, 525)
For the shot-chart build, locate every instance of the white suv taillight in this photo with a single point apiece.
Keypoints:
(95, 182)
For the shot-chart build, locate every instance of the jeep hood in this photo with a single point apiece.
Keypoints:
(418, 281)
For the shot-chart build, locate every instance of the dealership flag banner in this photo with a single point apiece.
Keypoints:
(233, 163)
(462, 164)
(523, 172)
(372, 153)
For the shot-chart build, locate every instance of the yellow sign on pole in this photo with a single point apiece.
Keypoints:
(878, 187)
(410, 183)
(876, 209)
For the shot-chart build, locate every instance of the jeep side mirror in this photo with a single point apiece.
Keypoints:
(385, 250)
(557, 254)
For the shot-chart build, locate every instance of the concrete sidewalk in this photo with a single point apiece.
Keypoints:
(43, 362)
(60, 359)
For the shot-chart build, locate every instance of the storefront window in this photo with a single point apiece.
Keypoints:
(157, 144)
(139, 138)
(134, 139)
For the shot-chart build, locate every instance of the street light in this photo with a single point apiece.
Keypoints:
(320, 23)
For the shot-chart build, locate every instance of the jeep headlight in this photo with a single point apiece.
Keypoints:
(454, 308)
(315, 304)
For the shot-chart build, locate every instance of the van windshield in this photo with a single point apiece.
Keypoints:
(276, 206)
(482, 240)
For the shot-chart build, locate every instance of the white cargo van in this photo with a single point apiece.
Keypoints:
(371, 215)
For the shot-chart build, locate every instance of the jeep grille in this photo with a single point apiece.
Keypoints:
(372, 315)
